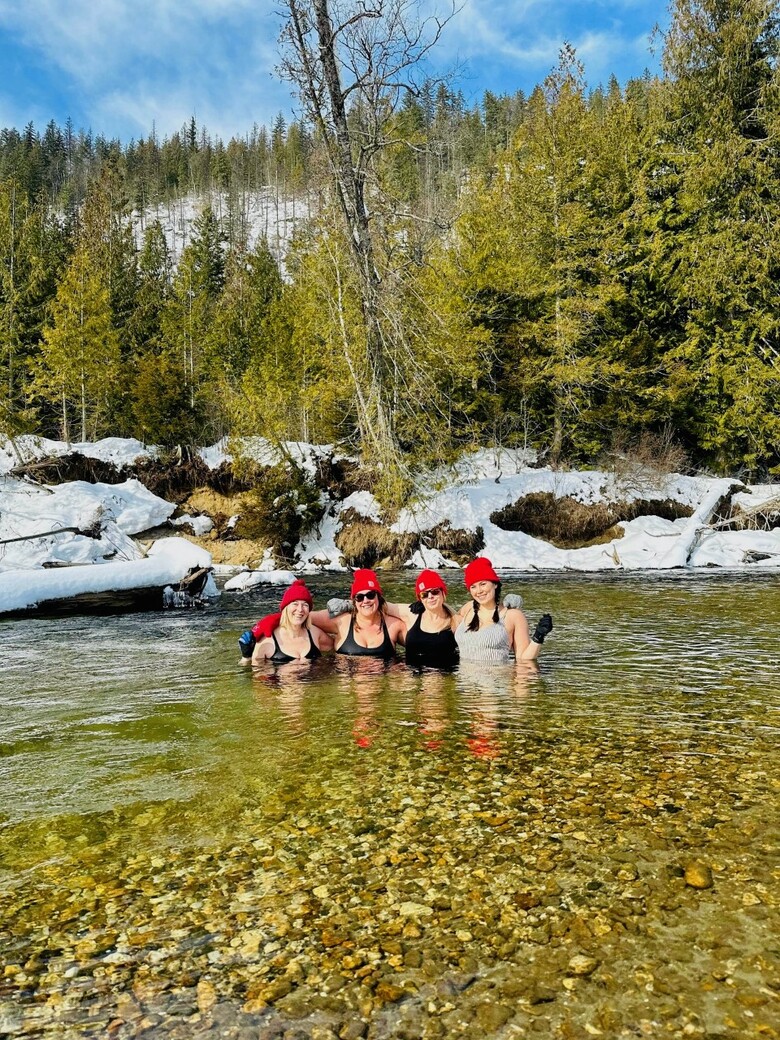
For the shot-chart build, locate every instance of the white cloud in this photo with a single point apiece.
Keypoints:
(121, 65)
(525, 37)
(156, 60)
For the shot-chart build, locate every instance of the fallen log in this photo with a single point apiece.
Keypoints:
(116, 586)
(680, 553)
(93, 531)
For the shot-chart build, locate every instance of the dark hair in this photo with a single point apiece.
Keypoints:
(473, 625)
(382, 602)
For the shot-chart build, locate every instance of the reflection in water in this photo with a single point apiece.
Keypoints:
(335, 845)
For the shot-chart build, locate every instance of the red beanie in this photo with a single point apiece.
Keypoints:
(429, 580)
(297, 590)
(363, 580)
(480, 569)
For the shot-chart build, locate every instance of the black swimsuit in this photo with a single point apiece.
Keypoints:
(354, 649)
(434, 649)
(280, 657)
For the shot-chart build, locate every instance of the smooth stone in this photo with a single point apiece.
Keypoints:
(698, 875)
(582, 965)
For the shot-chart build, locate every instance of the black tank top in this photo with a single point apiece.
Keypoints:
(434, 649)
(280, 657)
(354, 649)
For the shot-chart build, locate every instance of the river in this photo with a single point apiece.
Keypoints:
(341, 850)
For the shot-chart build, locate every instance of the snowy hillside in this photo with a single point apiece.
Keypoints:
(263, 213)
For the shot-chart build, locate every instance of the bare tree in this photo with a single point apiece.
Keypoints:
(351, 63)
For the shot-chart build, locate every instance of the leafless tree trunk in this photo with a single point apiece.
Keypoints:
(351, 63)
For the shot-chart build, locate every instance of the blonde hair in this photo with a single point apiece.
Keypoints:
(285, 621)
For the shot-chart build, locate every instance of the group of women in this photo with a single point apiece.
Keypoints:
(483, 631)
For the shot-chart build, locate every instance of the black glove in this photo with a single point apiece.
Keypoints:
(416, 607)
(246, 643)
(544, 628)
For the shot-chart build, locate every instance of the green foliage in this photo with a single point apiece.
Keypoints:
(163, 410)
(79, 356)
(284, 505)
(545, 271)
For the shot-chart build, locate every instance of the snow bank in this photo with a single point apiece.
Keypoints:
(167, 563)
(117, 511)
(482, 484)
(487, 485)
(245, 580)
(119, 450)
(266, 453)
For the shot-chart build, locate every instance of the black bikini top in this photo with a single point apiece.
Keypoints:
(352, 648)
(280, 657)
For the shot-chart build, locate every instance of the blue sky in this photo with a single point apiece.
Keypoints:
(120, 67)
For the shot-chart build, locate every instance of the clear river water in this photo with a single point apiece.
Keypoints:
(348, 850)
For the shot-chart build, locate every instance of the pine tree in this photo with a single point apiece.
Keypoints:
(721, 253)
(543, 284)
(188, 314)
(240, 336)
(79, 360)
(33, 248)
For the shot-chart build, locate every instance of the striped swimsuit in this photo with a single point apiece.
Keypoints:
(488, 645)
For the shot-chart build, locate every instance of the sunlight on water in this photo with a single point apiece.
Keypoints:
(361, 848)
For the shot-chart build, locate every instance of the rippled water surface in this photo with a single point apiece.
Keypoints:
(349, 850)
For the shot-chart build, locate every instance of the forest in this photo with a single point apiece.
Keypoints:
(570, 271)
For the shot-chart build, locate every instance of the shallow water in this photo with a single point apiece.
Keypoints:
(346, 850)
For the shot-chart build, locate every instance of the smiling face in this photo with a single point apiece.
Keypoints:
(295, 613)
(367, 603)
(432, 599)
(484, 592)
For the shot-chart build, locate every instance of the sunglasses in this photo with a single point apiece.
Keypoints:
(360, 596)
(430, 592)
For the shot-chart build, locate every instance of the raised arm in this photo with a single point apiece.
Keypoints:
(400, 610)
(533, 644)
(322, 620)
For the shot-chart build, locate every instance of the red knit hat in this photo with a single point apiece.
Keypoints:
(363, 580)
(429, 580)
(480, 569)
(296, 591)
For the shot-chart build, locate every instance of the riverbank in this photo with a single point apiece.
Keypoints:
(494, 503)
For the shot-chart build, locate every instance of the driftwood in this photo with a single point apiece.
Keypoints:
(187, 593)
(753, 518)
(682, 550)
(93, 531)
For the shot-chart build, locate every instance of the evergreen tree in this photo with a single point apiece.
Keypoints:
(542, 279)
(33, 248)
(79, 359)
(240, 336)
(721, 252)
(188, 315)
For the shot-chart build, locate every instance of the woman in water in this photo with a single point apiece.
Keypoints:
(430, 624)
(367, 631)
(293, 637)
(488, 634)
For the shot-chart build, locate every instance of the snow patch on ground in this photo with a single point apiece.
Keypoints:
(265, 214)
(167, 563)
(105, 517)
(245, 580)
(114, 511)
(120, 451)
